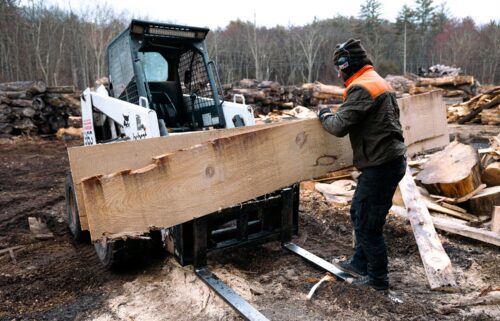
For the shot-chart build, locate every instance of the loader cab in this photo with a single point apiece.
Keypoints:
(169, 66)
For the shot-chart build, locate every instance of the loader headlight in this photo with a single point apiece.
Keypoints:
(172, 32)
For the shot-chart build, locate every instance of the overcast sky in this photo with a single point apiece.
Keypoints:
(218, 13)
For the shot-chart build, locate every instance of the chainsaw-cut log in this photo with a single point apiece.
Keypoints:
(436, 262)
(178, 187)
(322, 91)
(490, 116)
(495, 220)
(75, 121)
(484, 202)
(447, 80)
(491, 174)
(21, 103)
(453, 172)
(69, 133)
(456, 227)
(423, 118)
(16, 94)
(33, 87)
(60, 89)
(400, 83)
(100, 159)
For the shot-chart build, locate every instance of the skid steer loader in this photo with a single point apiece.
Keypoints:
(161, 83)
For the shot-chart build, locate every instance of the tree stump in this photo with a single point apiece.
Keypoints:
(453, 172)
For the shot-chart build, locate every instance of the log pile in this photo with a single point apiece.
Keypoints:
(32, 108)
(269, 96)
(455, 87)
(483, 108)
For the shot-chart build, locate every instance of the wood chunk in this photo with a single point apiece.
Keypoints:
(495, 220)
(39, 228)
(436, 262)
(484, 202)
(490, 116)
(491, 174)
(69, 133)
(453, 172)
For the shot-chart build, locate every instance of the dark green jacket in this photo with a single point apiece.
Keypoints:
(370, 115)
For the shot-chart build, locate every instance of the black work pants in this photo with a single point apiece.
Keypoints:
(370, 205)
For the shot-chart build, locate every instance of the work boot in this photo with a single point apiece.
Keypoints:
(351, 267)
(374, 283)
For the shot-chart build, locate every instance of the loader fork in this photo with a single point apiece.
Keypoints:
(201, 269)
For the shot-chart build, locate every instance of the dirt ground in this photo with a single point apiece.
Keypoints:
(59, 279)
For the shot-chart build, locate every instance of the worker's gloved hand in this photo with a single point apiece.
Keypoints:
(324, 113)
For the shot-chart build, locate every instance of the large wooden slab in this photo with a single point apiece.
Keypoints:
(193, 182)
(436, 262)
(423, 118)
(100, 159)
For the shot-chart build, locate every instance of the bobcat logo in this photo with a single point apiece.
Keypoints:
(126, 120)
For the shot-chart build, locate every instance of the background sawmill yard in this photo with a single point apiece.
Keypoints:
(446, 77)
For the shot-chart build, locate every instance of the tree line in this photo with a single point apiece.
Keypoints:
(38, 41)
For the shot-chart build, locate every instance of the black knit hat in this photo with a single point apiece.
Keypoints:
(352, 49)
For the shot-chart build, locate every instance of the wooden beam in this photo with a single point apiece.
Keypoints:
(436, 262)
(180, 186)
(467, 231)
(457, 227)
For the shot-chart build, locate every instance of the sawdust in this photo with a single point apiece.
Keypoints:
(175, 293)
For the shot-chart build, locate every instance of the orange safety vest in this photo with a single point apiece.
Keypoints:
(368, 78)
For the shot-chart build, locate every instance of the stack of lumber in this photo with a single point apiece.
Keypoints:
(31, 108)
(270, 96)
(483, 108)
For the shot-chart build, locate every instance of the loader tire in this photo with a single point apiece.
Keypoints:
(72, 212)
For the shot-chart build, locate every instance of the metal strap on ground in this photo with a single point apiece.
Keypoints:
(241, 306)
(318, 261)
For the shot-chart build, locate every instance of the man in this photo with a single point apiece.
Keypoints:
(370, 115)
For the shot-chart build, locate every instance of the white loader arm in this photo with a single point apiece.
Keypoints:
(136, 122)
